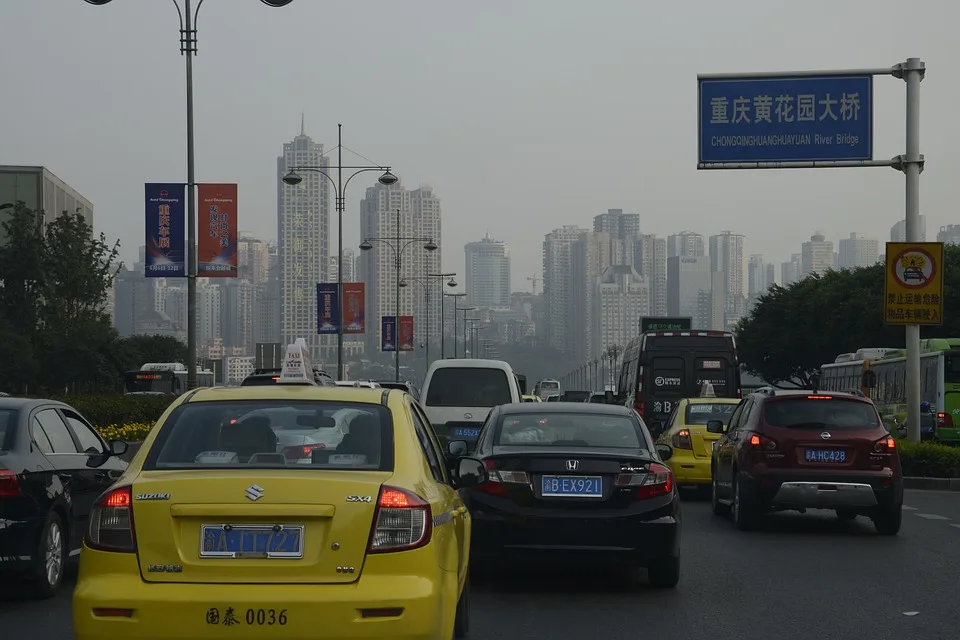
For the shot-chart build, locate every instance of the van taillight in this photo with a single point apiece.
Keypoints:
(944, 420)
(111, 522)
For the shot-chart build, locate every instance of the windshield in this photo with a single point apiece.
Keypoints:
(568, 430)
(268, 434)
(701, 413)
(820, 412)
(8, 424)
(549, 385)
(150, 382)
(468, 387)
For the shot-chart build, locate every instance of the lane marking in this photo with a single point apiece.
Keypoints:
(908, 508)
(930, 516)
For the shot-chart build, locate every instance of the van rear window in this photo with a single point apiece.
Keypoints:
(468, 387)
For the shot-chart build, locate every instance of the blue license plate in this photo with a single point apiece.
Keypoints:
(571, 486)
(251, 541)
(467, 432)
(825, 455)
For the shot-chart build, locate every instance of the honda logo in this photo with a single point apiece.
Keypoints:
(573, 465)
(826, 435)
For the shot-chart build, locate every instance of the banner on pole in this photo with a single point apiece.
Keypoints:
(405, 333)
(328, 311)
(388, 333)
(354, 312)
(217, 233)
(165, 230)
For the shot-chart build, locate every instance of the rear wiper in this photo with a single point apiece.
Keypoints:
(808, 425)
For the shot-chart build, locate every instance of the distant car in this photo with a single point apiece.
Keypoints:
(53, 465)
(686, 431)
(801, 450)
(574, 481)
(575, 395)
(531, 399)
(402, 385)
(358, 384)
(261, 377)
(553, 397)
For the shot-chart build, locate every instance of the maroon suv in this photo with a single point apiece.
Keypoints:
(802, 450)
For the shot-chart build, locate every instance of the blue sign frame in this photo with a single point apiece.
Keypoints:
(785, 119)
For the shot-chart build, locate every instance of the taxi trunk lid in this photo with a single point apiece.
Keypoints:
(273, 526)
(702, 441)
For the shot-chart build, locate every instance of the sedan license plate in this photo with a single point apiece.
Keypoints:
(571, 486)
(251, 541)
(825, 455)
(466, 432)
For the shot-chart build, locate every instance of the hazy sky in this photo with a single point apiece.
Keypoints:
(524, 115)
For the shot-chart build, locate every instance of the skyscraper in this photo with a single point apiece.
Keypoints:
(816, 255)
(857, 251)
(898, 232)
(557, 273)
(685, 244)
(727, 258)
(688, 281)
(487, 273)
(303, 232)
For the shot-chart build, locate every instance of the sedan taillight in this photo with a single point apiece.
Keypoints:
(111, 522)
(401, 522)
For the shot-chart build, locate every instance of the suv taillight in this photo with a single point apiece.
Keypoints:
(681, 440)
(401, 522)
(657, 481)
(9, 484)
(762, 442)
(111, 522)
(885, 444)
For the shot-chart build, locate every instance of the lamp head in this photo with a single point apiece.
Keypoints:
(292, 178)
(366, 245)
(387, 178)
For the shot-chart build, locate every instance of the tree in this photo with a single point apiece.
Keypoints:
(21, 270)
(792, 331)
(133, 351)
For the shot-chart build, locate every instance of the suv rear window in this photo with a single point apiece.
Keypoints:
(820, 412)
(269, 434)
(568, 430)
(468, 387)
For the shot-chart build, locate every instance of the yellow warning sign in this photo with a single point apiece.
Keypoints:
(913, 285)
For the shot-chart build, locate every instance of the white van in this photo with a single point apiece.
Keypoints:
(458, 394)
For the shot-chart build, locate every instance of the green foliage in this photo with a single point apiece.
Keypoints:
(929, 460)
(119, 410)
(792, 331)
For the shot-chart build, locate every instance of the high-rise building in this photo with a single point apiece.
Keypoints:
(303, 221)
(727, 258)
(949, 234)
(898, 232)
(487, 273)
(685, 244)
(760, 276)
(39, 190)
(557, 275)
(816, 256)
(650, 261)
(621, 298)
(617, 224)
(857, 251)
(253, 260)
(238, 305)
(687, 278)
(791, 270)
(590, 256)
(418, 220)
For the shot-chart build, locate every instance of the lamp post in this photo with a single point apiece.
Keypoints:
(455, 296)
(398, 244)
(468, 336)
(464, 309)
(293, 178)
(188, 47)
(425, 282)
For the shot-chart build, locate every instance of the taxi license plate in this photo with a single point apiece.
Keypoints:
(233, 616)
(251, 541)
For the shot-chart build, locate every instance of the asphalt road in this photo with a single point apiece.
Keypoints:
(801, 577)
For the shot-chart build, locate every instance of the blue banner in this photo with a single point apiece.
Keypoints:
(388, 333)
(328, 308)
(165, 230)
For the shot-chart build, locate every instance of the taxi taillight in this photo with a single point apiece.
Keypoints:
(402, 521)
(111, 522)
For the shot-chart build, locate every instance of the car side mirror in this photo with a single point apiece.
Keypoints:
(117, 448)
(470, 472)
(608, 397)
(715, 426)
(665, 451)
(457, 448)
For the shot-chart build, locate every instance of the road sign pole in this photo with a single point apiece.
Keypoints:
(913, 72)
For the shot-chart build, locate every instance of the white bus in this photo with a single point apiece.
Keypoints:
(162, 378)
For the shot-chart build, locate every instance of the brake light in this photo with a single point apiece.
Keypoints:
(944, 420)
(111, 522)
(657, 481)
(885, 444)
(402, 522)
(681, 439)
(819, 397)
(298, 452)
(275, 378)
(497, 478)
(762, 442)
(9, 484)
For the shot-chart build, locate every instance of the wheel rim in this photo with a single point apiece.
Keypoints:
(53, 558)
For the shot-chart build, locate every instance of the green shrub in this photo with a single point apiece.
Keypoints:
(929, 460)
(119, 410)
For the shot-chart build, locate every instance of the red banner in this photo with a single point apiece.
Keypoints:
(405, 333)
(217, 231)
(354, 311)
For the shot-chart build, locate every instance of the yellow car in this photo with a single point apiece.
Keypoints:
(531, 399)
(686, 431)
(281, 511)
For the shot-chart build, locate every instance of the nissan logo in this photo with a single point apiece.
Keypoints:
(825, 435)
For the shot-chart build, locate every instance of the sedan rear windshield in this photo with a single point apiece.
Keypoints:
(823, 412)
(568, 430)
(270, 434)
(703, 412)
(468, 387)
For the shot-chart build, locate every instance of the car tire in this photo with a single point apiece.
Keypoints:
(719, 509)
(846, 515)
(461, 624)
(51, 557)
(664, 573)
(887, 520)
(744, 516)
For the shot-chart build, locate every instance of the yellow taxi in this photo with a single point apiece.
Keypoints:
(284, 511)
(686, 431)
(531, 399)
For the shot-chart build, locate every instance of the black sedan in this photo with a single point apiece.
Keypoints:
(577, 482)
(53, 465)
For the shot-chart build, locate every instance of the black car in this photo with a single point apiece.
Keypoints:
(403, 386)
(53, 465)
(581, 481)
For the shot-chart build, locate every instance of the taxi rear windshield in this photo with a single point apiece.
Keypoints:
(270, 434)
(701, 413)
(566, 429)
(820, 412)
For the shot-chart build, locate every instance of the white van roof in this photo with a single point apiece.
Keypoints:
(471, 363)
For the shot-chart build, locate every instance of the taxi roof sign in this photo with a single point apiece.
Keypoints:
(296, 365)
(706, 390)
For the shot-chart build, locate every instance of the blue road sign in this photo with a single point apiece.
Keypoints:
(789, 119)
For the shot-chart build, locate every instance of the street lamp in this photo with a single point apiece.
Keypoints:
(425, 283)
(293, 178)
(398, 249)
(188, 48)
(464, 309)
(455, 296)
